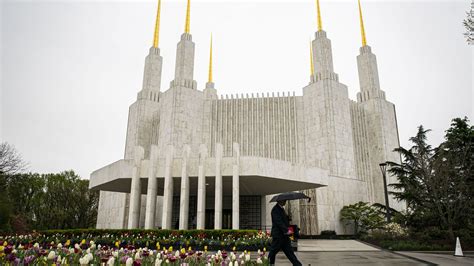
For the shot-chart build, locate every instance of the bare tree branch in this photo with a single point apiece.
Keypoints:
(10, 160)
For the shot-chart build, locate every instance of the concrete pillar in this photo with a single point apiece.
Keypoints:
(135, 189)
(236, 188)
(151, 191)
(168, 190)
(218, 192)
(201, 191)
(184, 197)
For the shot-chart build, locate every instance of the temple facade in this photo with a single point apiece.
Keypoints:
(197, 159)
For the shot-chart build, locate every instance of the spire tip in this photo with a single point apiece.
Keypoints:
(156, 36)
(318, 10)
(188, 15)
(362, 28)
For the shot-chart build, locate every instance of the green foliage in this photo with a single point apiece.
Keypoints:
(437, 183)
(51, 201)
(363, 216)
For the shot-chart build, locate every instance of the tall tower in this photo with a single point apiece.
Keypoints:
(382, 129)
(140, 116)
(327, 112)
(328, 132)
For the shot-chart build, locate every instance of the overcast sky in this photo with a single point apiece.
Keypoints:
(70, 69)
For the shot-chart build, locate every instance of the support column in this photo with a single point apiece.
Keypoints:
(184, 197)
(201, 191)
(168, 190)
(151, 191)
(218, 195)
(236, 188)
(135, 189)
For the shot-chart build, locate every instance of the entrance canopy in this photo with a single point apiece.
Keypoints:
(258, 176)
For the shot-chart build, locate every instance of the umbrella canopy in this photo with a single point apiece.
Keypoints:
(290, 196)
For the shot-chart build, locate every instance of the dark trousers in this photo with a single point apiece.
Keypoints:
(285, 245)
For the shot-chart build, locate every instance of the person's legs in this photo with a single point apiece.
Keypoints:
(288, 250)
(274, 248)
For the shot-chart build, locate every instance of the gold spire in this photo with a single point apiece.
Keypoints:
(311, 57)
(318, 10)
(210, 63)
(188, 15)
(362, 29)
(156, 36)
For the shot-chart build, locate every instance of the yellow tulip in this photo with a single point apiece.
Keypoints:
(183, 250)
(205, 248)
(5, 243)
(190, 248)
(83, 241)
(171, 248)
(234, 248)
(2, 248)
(68, 242)
(117, 244)
(264, 249)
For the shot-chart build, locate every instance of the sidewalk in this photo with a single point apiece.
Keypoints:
(441, 258)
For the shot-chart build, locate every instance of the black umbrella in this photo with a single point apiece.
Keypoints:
(290, 196)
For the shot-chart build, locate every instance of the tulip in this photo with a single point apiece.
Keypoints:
(51, 255)
(111, 261)
(259, 261)
(158, 262)
(129, 262)
(60, 246)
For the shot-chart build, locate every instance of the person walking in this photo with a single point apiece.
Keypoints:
(281, 235)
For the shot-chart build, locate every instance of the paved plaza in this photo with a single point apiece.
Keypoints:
(352, 252)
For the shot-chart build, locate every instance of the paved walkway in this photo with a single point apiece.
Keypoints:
(348, 258)
(343, 252)
(333, 245)
(352, 252)
(442, 259)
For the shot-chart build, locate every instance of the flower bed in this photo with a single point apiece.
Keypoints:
(90, 253)
(214, 239)
(122, 245)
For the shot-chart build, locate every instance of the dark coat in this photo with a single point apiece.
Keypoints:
(280, 222)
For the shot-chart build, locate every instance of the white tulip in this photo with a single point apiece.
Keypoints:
(36, 245)
(51, 255)
(60, 245)
(236, 263)
(176, 254)
(129, 262)
(115, 254)
(259, 261)
(84, 260)
(158, 262)
(137, 255)
(59, 258)
(111, 261)
(90, 256)
(247, 257)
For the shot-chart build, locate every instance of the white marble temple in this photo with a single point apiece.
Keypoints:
(207, 152)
